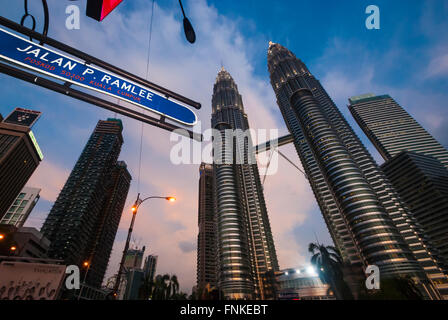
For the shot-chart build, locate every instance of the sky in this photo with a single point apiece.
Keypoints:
(406, 58)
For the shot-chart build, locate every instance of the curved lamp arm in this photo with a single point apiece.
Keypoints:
(139, 201)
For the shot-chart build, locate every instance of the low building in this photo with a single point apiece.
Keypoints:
(27, 242)
(301, 283)
(31, 243)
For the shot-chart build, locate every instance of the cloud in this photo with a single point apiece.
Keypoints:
(50, 177)
(186, 246)
(438, 66)
(351, 67)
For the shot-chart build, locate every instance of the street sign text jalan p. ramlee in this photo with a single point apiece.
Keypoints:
(32, 56)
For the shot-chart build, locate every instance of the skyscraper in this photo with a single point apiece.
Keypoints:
(422, 182)
(19, 155)
(107, 225)
(21, 207)
(365, 217)
(416, 164)
(135, 275)
(392, 130)
(206, 249)
(245, 246)
(134, 258)
(150, 266)
(83, 221)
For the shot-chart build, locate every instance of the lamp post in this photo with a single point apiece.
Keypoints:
(188, 28)
(134, 209)
(86, 264)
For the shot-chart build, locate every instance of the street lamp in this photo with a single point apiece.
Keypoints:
(188, 28)
(85, 264)
(13, 248)
(134, 210)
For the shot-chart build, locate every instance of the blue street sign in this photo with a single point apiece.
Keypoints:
(25, 53)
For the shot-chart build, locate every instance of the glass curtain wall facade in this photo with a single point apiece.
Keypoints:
(365, 217)
(392, 129)
(246, 249)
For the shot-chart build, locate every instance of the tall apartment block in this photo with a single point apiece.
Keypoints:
(107, 225)
(245, 245)
(19, 155)
(392, 130)
(368, 222)
(135, 275)
(150, 266)
(416, 164)
(206, 248)
(21, 207)
(84, 219)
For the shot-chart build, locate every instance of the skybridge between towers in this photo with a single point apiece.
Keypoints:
(273, 146)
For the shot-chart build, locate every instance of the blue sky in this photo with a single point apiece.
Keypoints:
(407, 58)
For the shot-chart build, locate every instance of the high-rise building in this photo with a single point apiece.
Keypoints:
(21, 207)
(134, 280)
(83, 221)
(416, 164)
(368, 222)
(392, 130)
(206, 249)
(150, 266)
(134, 258)
(245, 246)
(135, 275)
(19, 155)
(422, 182)
(107, 225)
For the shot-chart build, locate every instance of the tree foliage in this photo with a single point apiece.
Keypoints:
(328, 262)
(162, 287)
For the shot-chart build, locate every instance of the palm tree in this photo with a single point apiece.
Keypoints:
(163, 287)
(160, 287)
(328, 262)
(172, 287)
(180, 296)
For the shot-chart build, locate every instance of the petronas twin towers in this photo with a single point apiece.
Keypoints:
(367, 221)
(245, 246)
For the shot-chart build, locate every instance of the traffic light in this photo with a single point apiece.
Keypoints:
(99, 9)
